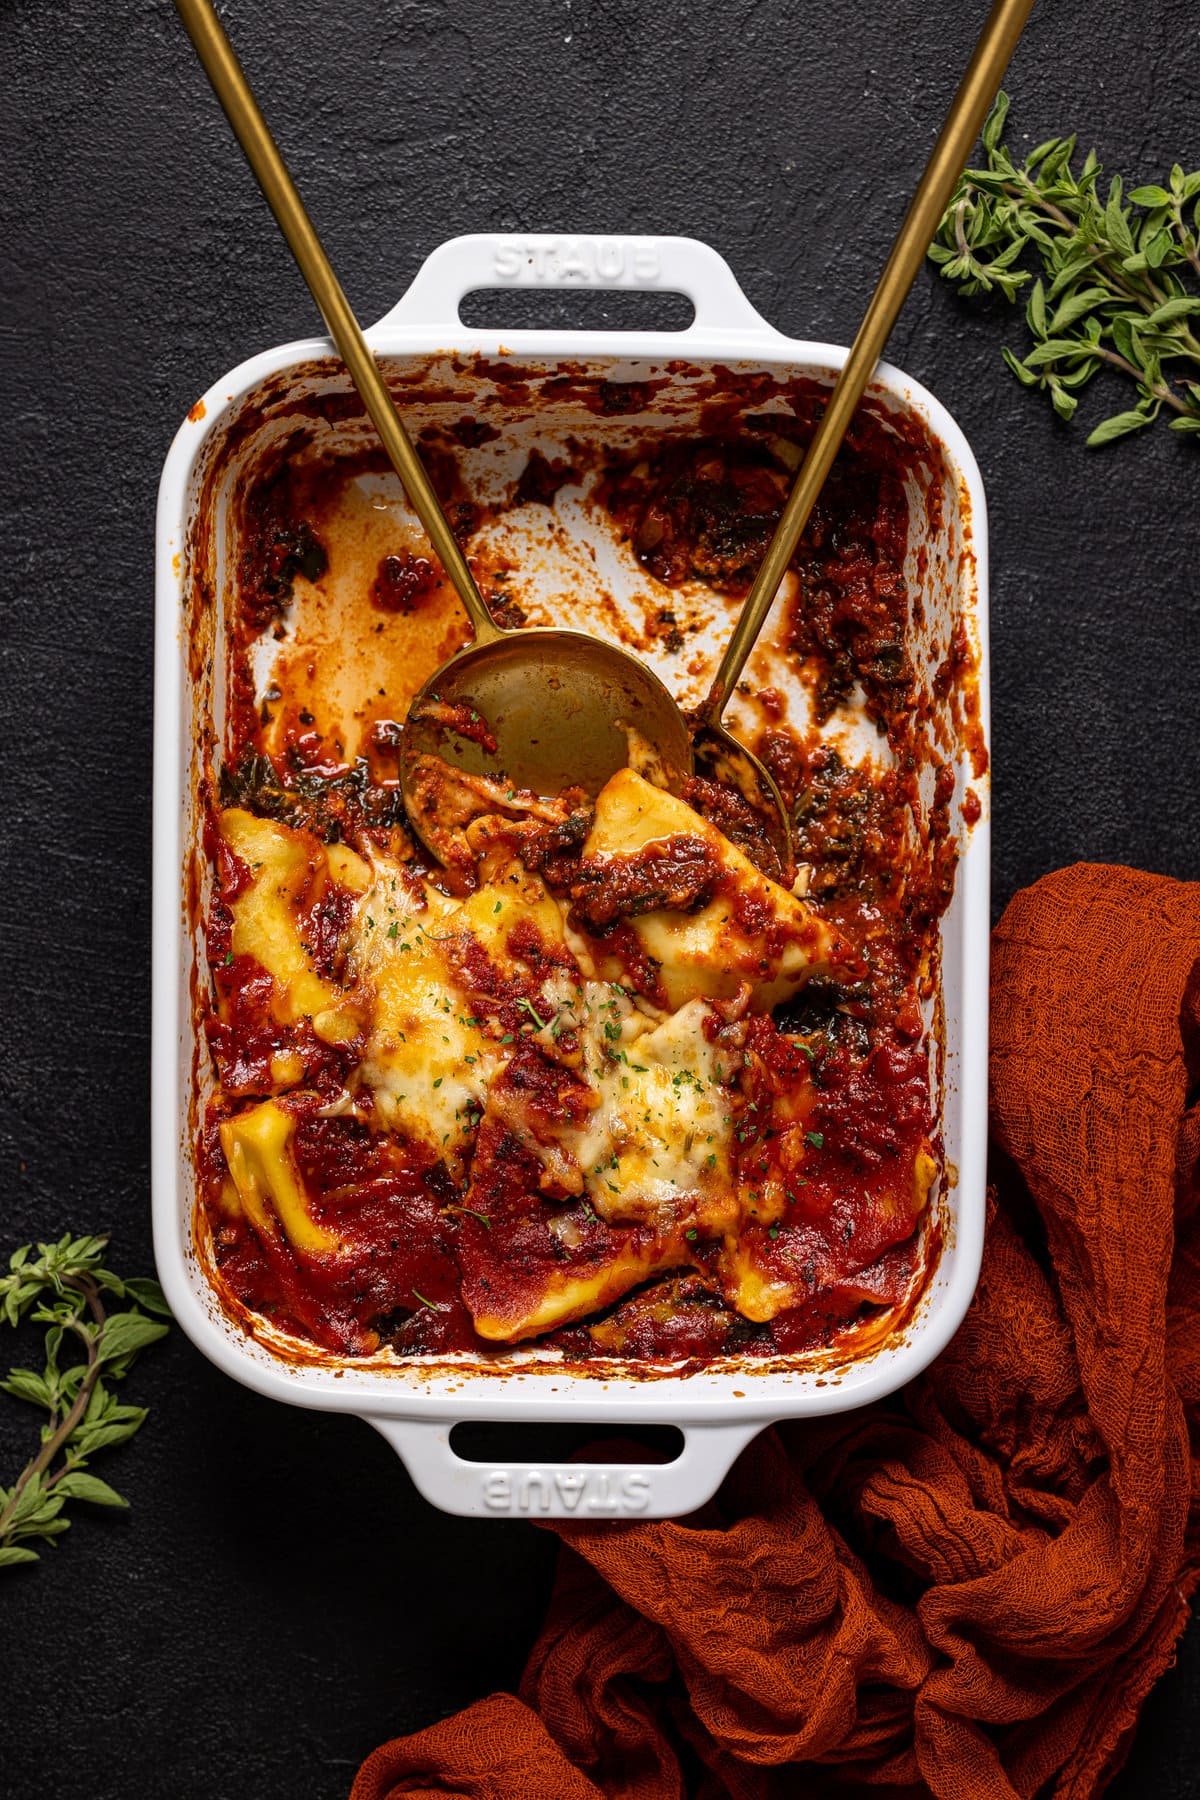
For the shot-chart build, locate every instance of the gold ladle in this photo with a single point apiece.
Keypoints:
(564, 708)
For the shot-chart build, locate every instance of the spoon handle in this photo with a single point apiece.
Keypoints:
(262, 153)
(963, 123)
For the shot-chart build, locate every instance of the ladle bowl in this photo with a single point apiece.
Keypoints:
(523, 707)
(563, 709)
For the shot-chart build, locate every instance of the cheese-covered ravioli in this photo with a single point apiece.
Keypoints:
(436, 972)
(656, 1144)
(639, 1133)
(288, 873)
(428, 1058)
(710, 920)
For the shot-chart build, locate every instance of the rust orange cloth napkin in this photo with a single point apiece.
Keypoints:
(966, 1591)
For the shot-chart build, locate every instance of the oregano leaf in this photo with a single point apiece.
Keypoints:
(1174, 309)
(79, 1485)
(16, 1553)
(1075, 307)
(1120, 425)
(24, 1384)
(1054, 350)
(1025, 376)
(994, 126)
(149, 1295)
(126, 1333)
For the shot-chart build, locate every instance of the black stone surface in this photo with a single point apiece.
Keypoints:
(279, 1599)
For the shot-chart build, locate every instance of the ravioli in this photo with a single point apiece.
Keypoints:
(572, 1071)
(287, 873)
(750, 933)
(588, 1092)
(427, 1059)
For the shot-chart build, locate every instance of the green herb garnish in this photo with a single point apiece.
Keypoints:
(482, 1217)
(66, 1288)
(533, 1013)
(1118, 274)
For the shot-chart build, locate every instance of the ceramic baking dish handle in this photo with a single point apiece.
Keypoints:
(572, 1490)
(668, 265)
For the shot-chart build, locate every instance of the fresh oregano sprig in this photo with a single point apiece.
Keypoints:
(1118, 274)
(66, 1288)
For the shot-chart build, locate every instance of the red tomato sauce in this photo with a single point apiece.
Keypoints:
(831, 1096)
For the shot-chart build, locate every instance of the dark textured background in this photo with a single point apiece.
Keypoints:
(279, 1598)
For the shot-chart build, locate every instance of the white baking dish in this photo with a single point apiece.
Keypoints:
(415, 1406)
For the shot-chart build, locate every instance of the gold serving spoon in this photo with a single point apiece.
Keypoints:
(552, 697)
(717, 754)
(565, 709)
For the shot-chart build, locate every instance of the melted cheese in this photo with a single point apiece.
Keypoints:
(433, 1047)
(657, 1145)
(653, 1149)
(757, 1293)
(428, 1060)
(494, 910)
(711, 952)
(288, 872)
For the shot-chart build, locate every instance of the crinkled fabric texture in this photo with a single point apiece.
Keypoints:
(969, 1590)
